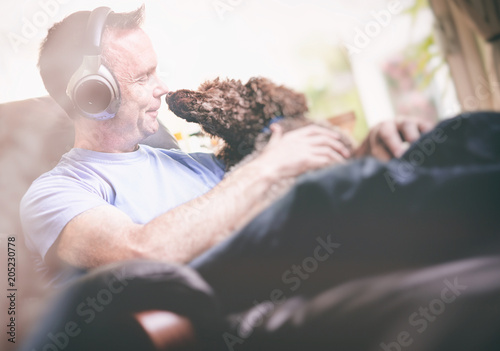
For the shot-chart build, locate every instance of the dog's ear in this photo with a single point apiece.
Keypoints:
(276, 100)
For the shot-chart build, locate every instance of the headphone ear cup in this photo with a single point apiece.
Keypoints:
(95, 95)
(92, 95)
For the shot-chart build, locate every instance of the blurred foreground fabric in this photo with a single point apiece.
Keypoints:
(394, 256)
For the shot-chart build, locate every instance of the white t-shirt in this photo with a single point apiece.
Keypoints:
(143, 184)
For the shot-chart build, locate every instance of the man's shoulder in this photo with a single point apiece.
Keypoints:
(69, 165)
(69, 173)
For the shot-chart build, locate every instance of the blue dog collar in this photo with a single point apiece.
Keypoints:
(275, 119)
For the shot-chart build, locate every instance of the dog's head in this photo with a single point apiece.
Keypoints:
(236, 112)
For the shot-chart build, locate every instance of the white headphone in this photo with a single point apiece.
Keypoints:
(92, 88)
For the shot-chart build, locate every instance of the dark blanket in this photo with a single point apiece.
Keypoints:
(438, 203)
(365, 256)
(454, 306)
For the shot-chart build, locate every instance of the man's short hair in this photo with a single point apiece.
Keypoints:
(61, 53)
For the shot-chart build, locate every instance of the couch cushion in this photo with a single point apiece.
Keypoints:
(34, 133)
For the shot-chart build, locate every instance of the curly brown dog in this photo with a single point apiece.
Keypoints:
(240, 114)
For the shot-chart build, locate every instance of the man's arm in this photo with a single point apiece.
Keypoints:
(105, 234)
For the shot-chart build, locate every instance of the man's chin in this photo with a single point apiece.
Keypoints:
(155, 127)
(152, 128)
(149, 131)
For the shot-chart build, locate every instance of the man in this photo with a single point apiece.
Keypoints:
(111, 199)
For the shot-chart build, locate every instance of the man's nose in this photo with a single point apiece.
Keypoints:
(161, 88)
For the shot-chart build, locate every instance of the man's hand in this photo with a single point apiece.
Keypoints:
(390, 139)
(301, 150)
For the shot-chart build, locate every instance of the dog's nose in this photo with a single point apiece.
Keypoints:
(168, 95)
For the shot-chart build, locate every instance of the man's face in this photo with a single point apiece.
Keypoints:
(133, 61)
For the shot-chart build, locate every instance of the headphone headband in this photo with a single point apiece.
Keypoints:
(95, 28)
